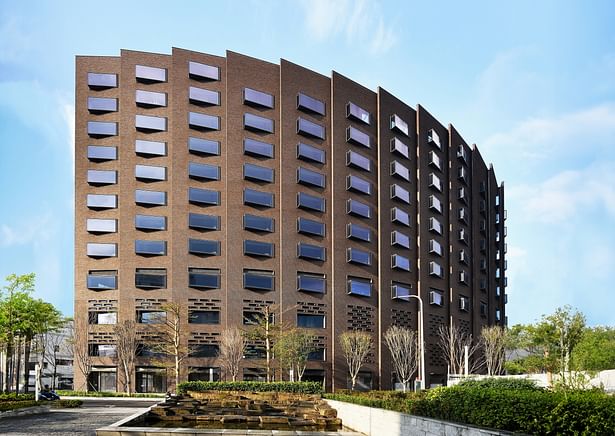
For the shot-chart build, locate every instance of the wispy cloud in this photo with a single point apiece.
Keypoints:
(15, 40)
(31, 231)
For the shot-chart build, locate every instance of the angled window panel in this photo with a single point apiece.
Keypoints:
(257, 173)
(204, 278)
(435, 225)
(203, 147)
(102, 177)
(360, 257)
(464, 304)
(399, 193)
(151, 278)
(97, 250)
(435, 247)
(258, 223)
(435, 269)
(357, 232)
(311, 252)
(435, 204)
(400, 171)
(102, 280)
(147, 74)
(258, 280)
(203, 72)
(203, 97)
(150, 148)
(94, 225)
(310, 104)
(100, 129)
(359, 161)
(102, 80)
(400, 148)
(256, 198)
(100, 105)
(101, 201)
(253, 97)
(200, 121)
(357, 208)
(358, 184)
(401, 291)
(358, 137)
(400, 262)
(253, 147)
(150, 198)
(436, 298)
(258, 123)
(203, 222)
(359, 286)
(149, 123)
(203, 172)
(310, 178)
(435, 182)
(433, 138)
(310, 227)
(400, 216)
(150, 173)
(150, 98)
(101, 153)
(400, 239)
(258, 248)
(309, 153)
(204, 247)
(356, 112)
(311, 282)
(399, 125)
(150, 248)
(310, 129)
(203, 197)
(434, 160)
(150, 222)
(310, 202)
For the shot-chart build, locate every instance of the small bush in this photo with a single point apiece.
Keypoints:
(16, 397)
(63, 393)
(519, 384)
(13, 405)
(65, 404)
(247, 386)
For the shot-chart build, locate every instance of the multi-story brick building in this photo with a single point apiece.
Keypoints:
(226, 184)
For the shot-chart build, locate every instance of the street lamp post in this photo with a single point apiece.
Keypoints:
(421, 339)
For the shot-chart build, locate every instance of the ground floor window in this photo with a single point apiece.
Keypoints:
(314, 375)
(363, 383)
(150, 379)
(103, 379)
(255, 374)
(204, 373)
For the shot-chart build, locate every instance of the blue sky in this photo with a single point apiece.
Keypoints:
(532, 83)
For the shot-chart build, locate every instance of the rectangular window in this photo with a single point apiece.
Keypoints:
(150, 74)
(355, 231)
(150, 148)
(150, 248)
(258, 280)
(400, 262)
(204, 147)
(436, 298)
(461, 152)
(462, 174)
(461, 195)
(462, 214)
(356, 160)
(203, 222)
(253, 197)
(318, 354)
(102, 318)
(433, 138)
(310, 252)
(257, 123)
(358, 137)
(310, 129)
(310, 178)
(359, 286)
(258, 223)
(203, 72)
(99, 105)
(98, 129)
(201, 171)
(203, 97)
(205, 350)
(310, 153)
(101, 225)
(253, 97)
(257, 173)
(435, 269)
(204, 247)
(356, 112)
(435, 226)
(435, 204)
(150, 222)
(483, 310)
(102, 201)
(203, 197)
(401, 291)
(148, 123)
(358, 184)
(400, 171)
(399, 147)
(435, 247)
(463, 277)
(204, 278)
(398, 124)
(462, 235)
(102, 177)
(310, 202)
(434, 160)
(252, 147)
(151, 278)
(464, 304)
(400, 239)
(102, 280)
(400, 216)
(310, 104)
(102, 350)
(435, 182)
(149, 172)
(204, 317)
(102, 80)
(463, 256)
(360, 257)
(399, 193)
(311, 282)
(151, 316)
(150, 98)
(310, 321)
(101, 153)
(310, 227)
(150, 198)
(356, 208)
(199, 121)
(258, 248)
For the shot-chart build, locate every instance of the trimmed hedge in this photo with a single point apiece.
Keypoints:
(390, 400)
(16, 397)
(13, 405)
(520, 384)
(63, 393)
(249, 386)
(65, 404)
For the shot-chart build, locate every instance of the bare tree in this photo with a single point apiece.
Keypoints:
(293, 348)
(356, 346)
(403, 344)
(493, 341)
(78, 344)
(232, 347)
(127, 343)
(453, 342)
(267, 330)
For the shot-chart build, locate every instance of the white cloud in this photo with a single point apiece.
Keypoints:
(31, 231)
(68, 116)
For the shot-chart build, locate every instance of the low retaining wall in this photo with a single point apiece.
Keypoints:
(378, 422)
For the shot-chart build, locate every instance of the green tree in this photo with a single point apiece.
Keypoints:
(596, 350)
(292, 349)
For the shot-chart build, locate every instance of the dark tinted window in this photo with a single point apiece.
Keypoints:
(257, 223)
(100, 105)
(203, 171)
(150, 148)
(357, 208)
(400, 262)
(150, 278)
(100, 153)
(203, 146)
(254, 122)
(310, 104)
(102, 80)
(204, 97)
(203, 196)
(100, 128)
(204, 278)
(354, 255)
(258, 280)
(203, 122)
(311, 321)
(309, 177)
(257, 248)
(257, 198)
(358, 137)
(149, 123)
(356, 231)
(204, 317)
(257, 173)
(357, 184)
(400, 291)
(200, 71)
(205, 350)
(150, 222)
(156, 198)
(151, 248)
(257, 98)
(309, 153)
(308, 128)
(400, 216)
(204, 247)
(309, 282)
(203, 222)
(310, 251)
(399, 193)
(312, 202)
(359, 286)
(253, 147)
(310, 227)
(357, 160)
(102, 280)
(356, 112)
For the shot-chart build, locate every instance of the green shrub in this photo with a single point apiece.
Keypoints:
(16, 397)
(65, 404)
(13, 405)
(248, 386)
(519, 384)
(390, 400)
(64, 393)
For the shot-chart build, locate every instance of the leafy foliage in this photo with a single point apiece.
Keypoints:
(520, 384)
(596, 350)
(249, 386)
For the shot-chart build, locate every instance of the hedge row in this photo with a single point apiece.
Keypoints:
(12, 405)
(16, 397)
(249, 386)
(65, 393)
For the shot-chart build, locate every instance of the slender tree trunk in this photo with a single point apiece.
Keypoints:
(26, 358)
(7, 365)
(18, 369)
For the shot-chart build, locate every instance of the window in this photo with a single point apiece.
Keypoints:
(204, 317)
(462, 174)
(360, 257)
(199, 121)
(253, 97)
(102, 318)
(311, 282)
(462, 214)
(254, 351)
(98, 129)
(358, 184)
(310, 178)
(94, 225)
(436, 298)
(483, 310)
(400, 216)
(150, 99)
(310, 251)
(310, 202)
(150, 248)
(204, 247)
(461, 195)
(150, 198)
(435, 247)
(151, 316)
(150, 148)
(355, 231)
(358, 137)
(498, 315)
(400, 262)
(435, 269)
(461, 152)
(435, 226)
(434, 160)
(435, 204)
(401, 291)
(151, 278)
(204, 350)
(400, 239)
(148, 123)
(397, 146)
(310, 227)
(464, 304)
(463, 236)
(310, 129)
(204, 278)
(310, 153)
(399, 193)
(150, 222)
(356, 112)
(98, 105)
(203, 72)
(101, 201)
(252, 147)
(254, 317)
(433, 138)
(257, 248)
(463, 256)
(203, 97)
(102, 80)
(463, 277)
(482, 187)
(356, 160)
(102, 350)
(201, 171)
(150, 173)
(359, 286)
(100, 280)
(203, 197)
(435, 182)
(101, 153)
(253, 197)
(310, 104)
(400, 171)
(258, 223)
(102, 177)
(257, 123)
(310, 321)
(318, 354)
(356, 208)
(398, 124)
(258, 280)
(150, 74)
(204, 147)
